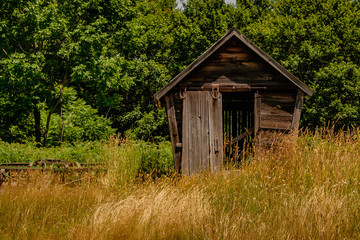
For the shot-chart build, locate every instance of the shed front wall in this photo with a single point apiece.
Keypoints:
(277, 107)
(196, 121)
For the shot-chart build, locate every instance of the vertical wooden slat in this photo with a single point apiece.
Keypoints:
(257, 104)
(196, 130)
(217, 134)
(238, 123)
(234, 124)
(204, 131)
(185, 137)
(211, 134)
(193, 130)
(297, 110)
(174, 133)
(244, 119)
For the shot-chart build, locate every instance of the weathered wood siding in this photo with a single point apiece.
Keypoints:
(202, 133)
(234, 62)
(276, 112)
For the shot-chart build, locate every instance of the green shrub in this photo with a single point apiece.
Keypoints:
(125, 158)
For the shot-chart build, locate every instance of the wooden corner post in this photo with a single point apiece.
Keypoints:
(174, 133)
(297, 109)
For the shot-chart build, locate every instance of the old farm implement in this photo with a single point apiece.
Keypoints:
(10, 171)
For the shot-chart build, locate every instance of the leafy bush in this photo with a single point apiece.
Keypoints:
(151, 127)
(78, 122)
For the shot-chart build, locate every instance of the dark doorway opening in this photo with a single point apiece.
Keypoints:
(238, 125)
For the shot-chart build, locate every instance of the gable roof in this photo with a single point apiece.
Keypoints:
(233, 33)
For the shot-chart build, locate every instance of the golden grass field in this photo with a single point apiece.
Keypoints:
(304, 190)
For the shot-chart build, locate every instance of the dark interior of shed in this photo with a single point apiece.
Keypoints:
(238, 123)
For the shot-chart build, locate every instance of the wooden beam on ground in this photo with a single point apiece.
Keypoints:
(174, 133)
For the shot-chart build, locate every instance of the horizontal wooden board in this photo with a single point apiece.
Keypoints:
(238, 68)
(276, 108)
(275, 121)
(239, 78)
(231, 57)
(274, 99)
(279, 95)
(268, 85)
(233, 48)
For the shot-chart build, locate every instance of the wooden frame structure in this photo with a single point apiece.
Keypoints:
(233, 88)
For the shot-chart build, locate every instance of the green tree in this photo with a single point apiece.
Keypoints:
(318, 41)
(43, 45)
(116, 54)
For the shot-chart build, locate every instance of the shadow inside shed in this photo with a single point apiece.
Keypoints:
(238, 123)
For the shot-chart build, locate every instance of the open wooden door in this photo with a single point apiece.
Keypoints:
(202, 132)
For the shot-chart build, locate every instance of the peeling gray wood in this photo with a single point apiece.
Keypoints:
(202, 147)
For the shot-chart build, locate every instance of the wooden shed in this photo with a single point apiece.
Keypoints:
(233, 89)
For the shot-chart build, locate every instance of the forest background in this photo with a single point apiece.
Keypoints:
(82, 70)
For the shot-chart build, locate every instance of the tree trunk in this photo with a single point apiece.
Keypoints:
(37, 126)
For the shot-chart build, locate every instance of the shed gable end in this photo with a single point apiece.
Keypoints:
(243, 58)
(234, 62)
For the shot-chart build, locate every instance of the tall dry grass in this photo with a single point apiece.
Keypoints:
(307, 189)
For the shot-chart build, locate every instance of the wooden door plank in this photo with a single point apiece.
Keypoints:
(217, 141)
(204, 131)
(196, 144)
(211, 132)
(191, 132)
(185, 138)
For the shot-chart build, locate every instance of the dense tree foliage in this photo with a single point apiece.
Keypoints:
(82, 69)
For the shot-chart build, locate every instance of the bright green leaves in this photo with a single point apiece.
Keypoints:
(76, 121)
(337, 99)
(112, 56)
(318, 41)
